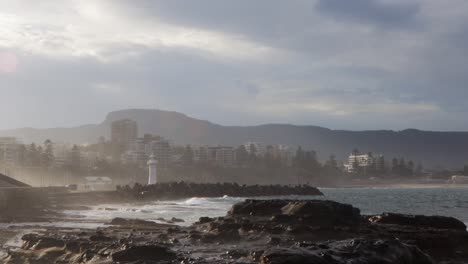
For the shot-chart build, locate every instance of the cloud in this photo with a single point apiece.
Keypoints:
(94, 32)
(376, 12)
(363, 64)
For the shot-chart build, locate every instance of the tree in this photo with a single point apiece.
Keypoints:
(33, 155)
(419, 170)
(402, 167)
(331, 162)
(299, 157)
(395, 167)
(330, 172)
(355, 152)
(380, 166)
(270, 160)
(253, 158)
(75, 158)
(242, 156)
(48, 154)
(410, 168)
(22, 152)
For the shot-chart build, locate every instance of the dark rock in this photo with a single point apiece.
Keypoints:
(73, 246)
(144, 253)
(258, 207)
(436, 222)
(36, 242)
(177, 220)
(236, 254)
(204, 220)
(350, 251)
(283, 218)
(100, 238)
(135, 222)
(274, 241)
(323, 213)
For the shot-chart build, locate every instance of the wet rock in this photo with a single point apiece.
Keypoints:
(258, 207)
(204, 220)
(73, 246)
(177, 220)
(274, 241)
(350, 251)
(135, 222)
(236, 254)
(323, 213)
(144, 253)
(100, 238)
(36, 242)
(436, 222)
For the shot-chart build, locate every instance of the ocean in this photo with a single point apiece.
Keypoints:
(447, 201)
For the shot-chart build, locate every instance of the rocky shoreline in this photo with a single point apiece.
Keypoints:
(258, 231)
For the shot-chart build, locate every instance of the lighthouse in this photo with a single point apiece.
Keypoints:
(153, 173)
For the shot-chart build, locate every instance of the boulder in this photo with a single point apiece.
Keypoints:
(144, 253)
(258, 207)
(323, 213)
(436, 222)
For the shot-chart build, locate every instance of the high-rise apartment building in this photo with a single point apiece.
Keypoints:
(124, 132)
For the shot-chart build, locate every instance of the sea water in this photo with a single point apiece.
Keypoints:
(426, 201)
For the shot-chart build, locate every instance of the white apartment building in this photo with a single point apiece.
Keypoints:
(356, 161)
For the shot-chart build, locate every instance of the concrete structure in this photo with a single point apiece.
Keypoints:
(222, 156)
(153, 170)
(200, 154)
(97, 183)
(9, 150)
(161, 149)
(143, 148)
(459, 179)
(364, 162)
(258, 149)
(124, 132)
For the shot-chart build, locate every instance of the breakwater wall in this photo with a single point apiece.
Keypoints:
(181, 190)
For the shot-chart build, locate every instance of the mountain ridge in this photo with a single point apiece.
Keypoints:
(429, 147)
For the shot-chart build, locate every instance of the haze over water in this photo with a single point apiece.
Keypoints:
(452, 201)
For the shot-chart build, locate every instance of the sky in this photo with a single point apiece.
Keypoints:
(357, 65)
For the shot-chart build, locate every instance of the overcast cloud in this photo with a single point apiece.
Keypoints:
(361, 64)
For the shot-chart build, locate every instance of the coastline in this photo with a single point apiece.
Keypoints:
(253, 231)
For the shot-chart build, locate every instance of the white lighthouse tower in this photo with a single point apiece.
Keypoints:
(153, 173)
